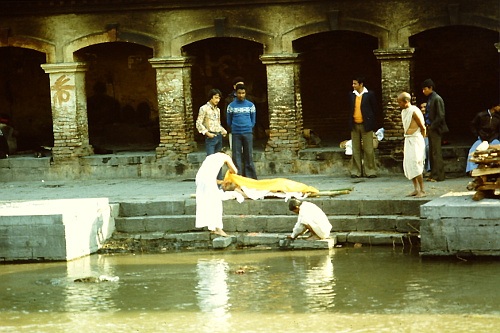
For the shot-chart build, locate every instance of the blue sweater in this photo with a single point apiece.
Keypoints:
(241, 116)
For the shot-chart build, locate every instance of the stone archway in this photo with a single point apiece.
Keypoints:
(217, 61)
(463, 62)
(329, 62)
(25, 97)
(121, 97)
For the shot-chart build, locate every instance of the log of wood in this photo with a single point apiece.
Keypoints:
(486, 187)
(485, 171)
(330, 193)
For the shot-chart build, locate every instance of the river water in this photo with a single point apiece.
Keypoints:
(366, 289)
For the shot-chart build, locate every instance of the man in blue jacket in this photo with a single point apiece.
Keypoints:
(362, 121)
(241, 115)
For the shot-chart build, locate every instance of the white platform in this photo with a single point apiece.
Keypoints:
(62, 229)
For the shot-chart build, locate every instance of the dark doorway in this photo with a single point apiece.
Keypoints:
(464, 64)
(330, 61)
(217, 62)
(25, 97)
(121, 97)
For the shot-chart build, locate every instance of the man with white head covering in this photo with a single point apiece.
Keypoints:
(208, 195)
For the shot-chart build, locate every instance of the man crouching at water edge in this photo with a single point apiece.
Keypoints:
(311, 218)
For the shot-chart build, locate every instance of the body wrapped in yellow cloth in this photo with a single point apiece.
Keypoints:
(256, 189)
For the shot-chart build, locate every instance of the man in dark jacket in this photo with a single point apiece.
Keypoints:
(486, 127)
(362, 122)
(436, 127)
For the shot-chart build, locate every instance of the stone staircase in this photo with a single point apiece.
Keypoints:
(171, 224)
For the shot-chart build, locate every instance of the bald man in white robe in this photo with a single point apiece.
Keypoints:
(414, 145)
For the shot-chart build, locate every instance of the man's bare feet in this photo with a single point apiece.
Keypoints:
(412, 194)
(313, 238)
(421, 194)
(220, 232)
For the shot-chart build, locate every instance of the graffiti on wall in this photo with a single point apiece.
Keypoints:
(61, 90)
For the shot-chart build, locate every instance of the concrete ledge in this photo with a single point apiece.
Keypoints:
(154, 242)
(461, 205)
(118, 160)
(455, 224)
(265, 223)
(20, 162)
(371, 238)
(54, 229)
(145, 164)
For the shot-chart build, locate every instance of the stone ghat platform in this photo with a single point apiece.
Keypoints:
(165, 242)
(54, 230)
(158, 214)
(454, 224)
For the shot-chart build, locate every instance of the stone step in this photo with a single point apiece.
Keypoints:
(148, 207)
(205, 240)
(331, 206)
(267, 223)
(302, 244)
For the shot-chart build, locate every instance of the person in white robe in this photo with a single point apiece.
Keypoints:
(311, 218)
(414, 145)
(208, 195)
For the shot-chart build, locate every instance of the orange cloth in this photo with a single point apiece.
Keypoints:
(358, 117)
(271, 185)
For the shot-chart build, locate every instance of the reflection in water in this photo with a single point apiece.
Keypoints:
(213, 292)
(319, 284)
(92, 296)
(348, 290)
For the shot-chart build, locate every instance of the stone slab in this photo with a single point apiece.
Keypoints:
(222, 242)
(160, 223)
(189, 236)
(151, 208)
(460, 235)
(343, 205)
(376, 238)
(301, 244)
(253, 239)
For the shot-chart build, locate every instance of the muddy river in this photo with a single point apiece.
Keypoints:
(366, 289)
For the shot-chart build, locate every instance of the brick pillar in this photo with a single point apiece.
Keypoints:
(175, 107)
(69, 110)
(396, 67)
(285, 105)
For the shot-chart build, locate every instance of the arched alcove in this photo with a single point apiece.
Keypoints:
(330, 61)
(25, 97)
(464, 64)
(217, 62)
(121, 96)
